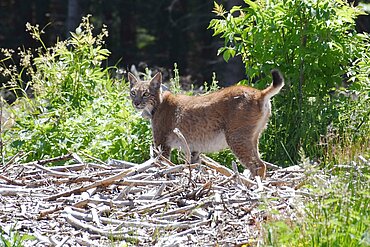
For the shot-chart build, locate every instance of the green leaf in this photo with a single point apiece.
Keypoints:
(27, 237)
(235, 9)
(218, 9)
(226, 55)
(251, 4)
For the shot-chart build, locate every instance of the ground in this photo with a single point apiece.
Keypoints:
(155, 203)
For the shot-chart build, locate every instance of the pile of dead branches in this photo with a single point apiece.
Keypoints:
(155, 203)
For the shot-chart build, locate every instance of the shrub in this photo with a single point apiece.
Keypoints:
(315, 45)
(77, 104)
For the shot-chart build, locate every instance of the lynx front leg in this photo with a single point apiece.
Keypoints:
(165, 151)
(160, 142)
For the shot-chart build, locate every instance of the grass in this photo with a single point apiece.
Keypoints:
(12, 238)
(338, 214)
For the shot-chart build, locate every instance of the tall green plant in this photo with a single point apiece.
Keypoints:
(70, 72)
(315, 45)
(76, 105)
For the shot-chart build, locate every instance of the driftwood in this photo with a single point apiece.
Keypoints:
(155, 203)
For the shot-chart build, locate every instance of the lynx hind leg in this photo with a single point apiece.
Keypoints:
(195, 157)
(247, 152)
(256, 166)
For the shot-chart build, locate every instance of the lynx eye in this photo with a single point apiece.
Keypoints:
(146, 94)
(132, 93)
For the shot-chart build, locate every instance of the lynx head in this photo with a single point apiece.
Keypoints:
(145, 95)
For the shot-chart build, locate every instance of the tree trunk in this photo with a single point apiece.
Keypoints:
(73, 16)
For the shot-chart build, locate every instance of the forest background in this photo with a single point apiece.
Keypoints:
(155, 33)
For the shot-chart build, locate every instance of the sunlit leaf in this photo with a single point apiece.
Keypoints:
(218, 9)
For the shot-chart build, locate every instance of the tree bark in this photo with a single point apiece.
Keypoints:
(73, 16)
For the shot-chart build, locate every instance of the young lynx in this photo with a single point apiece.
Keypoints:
(231, 117)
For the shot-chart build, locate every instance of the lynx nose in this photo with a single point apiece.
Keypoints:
(137, 104)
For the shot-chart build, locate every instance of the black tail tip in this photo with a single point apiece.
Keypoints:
(277, 78)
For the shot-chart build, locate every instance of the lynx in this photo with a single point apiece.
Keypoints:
(232, 117)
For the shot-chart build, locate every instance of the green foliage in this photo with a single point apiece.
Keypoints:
(332, 218)
(315, 45)
(213, 86)
(13, 238)
(70, 73)
(77, 105)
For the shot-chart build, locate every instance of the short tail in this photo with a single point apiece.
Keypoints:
(277, 84)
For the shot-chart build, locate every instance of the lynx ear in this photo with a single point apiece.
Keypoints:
(132, 79)
(156, 81)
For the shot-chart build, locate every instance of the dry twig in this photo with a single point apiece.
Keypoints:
(92, 203)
